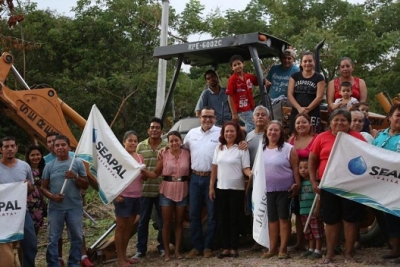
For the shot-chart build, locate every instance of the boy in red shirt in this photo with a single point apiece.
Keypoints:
(240, 93)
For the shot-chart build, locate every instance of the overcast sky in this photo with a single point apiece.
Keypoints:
(64, 6)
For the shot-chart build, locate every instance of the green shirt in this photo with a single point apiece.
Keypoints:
(151, 187)
(306, 197)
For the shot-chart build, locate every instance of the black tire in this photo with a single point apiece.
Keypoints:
(371, 235)
(186, 241)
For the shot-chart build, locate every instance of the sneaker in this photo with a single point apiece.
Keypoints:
(315, 255)
(138, 256)
(61, 261)
(307, 253)
(207, 253)
(193, 253)
(86, 263)
(162, 252)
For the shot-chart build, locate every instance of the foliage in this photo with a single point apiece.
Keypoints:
(105, 52)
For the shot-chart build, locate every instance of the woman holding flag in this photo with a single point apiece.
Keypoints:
(390, 139)
(127, 204)
(334, 208)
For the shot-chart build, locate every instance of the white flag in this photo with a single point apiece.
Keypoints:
(108, 160)
(364, 173)
(259, 200)
(12, 211)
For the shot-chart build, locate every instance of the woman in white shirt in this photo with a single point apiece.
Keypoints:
(229, 165)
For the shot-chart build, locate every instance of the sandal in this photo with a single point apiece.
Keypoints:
(179, 257)
(283, 256)
(326, 260)
(268, 255)
(126, 264)
(133, 261)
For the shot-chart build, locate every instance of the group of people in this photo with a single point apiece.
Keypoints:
(45, 176)
(210, 165)
(294, 167)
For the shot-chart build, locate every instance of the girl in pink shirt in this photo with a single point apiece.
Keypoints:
(127, 204)
(174, 165)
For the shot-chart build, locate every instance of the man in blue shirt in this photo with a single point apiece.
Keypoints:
(279, 75)
(66, 206)
(214, 96)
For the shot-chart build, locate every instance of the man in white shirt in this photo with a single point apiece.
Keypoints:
(201, 142)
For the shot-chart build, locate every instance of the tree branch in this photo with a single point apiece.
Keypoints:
(122, 104)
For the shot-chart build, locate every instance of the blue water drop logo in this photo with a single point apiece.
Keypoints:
(357, 166)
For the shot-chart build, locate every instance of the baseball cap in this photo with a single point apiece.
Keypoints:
(289, 52)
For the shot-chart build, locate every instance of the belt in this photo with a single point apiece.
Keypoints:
(175, 179)
(204, 174)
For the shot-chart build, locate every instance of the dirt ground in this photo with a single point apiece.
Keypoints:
(104, 216)
(363, 257)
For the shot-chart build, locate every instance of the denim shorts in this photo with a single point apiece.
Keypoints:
(128, 207)
(164, 201)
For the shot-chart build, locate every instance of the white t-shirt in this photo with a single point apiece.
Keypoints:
(201, 146)
(231, 162)
(367, 137)
(349, 104)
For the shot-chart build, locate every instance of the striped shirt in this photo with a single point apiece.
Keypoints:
(151, 187)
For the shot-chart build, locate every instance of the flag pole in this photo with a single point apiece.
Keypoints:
(70, 167)
(73, 158)
(311, 211)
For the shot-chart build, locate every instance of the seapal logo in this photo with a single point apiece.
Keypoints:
(9, 206)
(357, 166)
(108, 161)
(385, 174)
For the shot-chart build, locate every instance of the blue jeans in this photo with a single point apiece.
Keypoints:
(29, 243)
(247, 118)
(56, 219)
(146, 206)
(198, 193)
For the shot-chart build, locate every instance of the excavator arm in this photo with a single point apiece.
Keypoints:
(37, 111)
